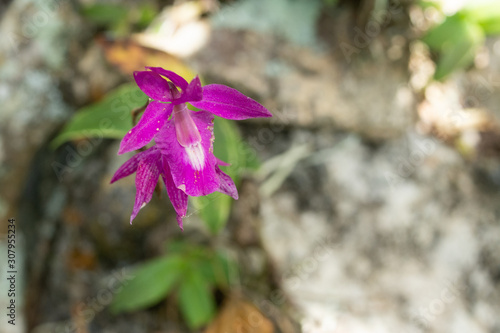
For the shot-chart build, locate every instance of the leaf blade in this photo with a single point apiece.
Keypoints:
(152, 281)
(460, 54)
(109, 118)
(215, 208)
(196, 301)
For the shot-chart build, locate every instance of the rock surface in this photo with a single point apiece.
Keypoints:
(406, 244)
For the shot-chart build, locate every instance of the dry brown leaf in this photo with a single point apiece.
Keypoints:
(80, 259)
(129, 56)
(238, 315)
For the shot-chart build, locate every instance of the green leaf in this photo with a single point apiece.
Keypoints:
(177, 246)
(491, 27)
(430, 4)
(460, 54)
(486, 14)
(147, 14)
(330, 3)
(225, 270)
(215, 268)
(481, 11)
(205, 267)
(196, 301)
(105, 13)
(109, 118)
(152, 282)
(448, 33)
(229, 147)
(214, 209)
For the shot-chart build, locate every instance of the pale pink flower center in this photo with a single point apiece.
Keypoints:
(188, 136)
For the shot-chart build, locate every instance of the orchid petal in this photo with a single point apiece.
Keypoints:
(151, 121)
(221, 162)
(193, 169)
(229, 103)
(127, 168)
(153, 85)
(145, 181)
(176, 79)
(130, 166)
(226, 184)
(193, 92)
(178, 198)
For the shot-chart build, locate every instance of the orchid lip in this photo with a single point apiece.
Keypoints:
(196, 156)
(186, 131)
(188, 136)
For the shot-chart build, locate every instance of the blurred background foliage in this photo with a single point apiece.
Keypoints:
(457, 39)
(191, 271)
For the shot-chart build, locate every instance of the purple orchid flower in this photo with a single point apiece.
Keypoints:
(183, 151)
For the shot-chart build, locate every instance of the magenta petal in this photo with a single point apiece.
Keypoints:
(127, 168)
(221, 162)
(176, 79)
(130, 166)
(196, 175)
(226, 184)
(185, 128)
(145, 181)
(151, 121)
(193, 92)
(153, 85)
(178, 198)
(229, 103)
